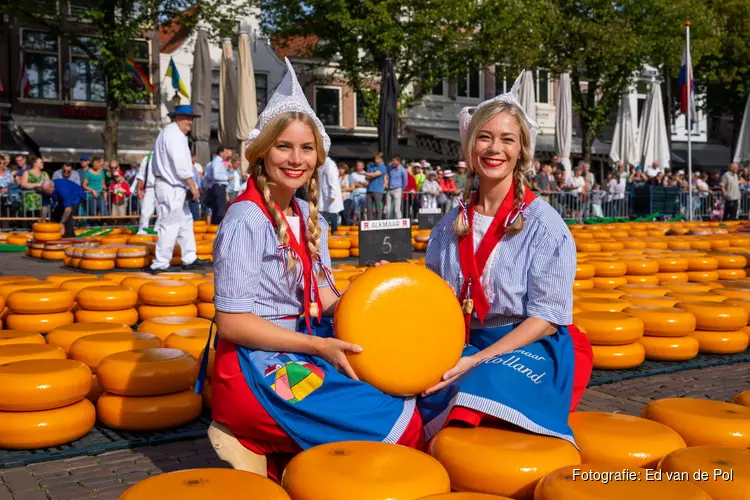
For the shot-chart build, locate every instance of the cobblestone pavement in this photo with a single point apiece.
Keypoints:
(106, 476)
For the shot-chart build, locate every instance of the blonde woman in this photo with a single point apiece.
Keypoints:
(281, 385)
(511, 261)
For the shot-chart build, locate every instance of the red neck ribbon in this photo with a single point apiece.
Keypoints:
(309, 284)
(472, 265)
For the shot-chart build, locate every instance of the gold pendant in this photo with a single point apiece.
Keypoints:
(314, 309)
(468, 306)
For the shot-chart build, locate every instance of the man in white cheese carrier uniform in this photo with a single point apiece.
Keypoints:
(173, 183)
(145, 190)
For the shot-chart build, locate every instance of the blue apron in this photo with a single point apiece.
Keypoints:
(530, 387)
(316, 404)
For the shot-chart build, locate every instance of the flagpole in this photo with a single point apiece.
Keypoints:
(688, 126)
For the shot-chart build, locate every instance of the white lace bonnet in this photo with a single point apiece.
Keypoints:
(465, 115)
(289, 96)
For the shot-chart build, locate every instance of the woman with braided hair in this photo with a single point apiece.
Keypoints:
(511, 261)
(281, 382)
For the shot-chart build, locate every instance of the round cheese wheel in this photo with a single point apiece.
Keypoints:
(584, 271)
(659, 291)
(53, 254)
(64, 336)
(731, 293)
(146, 312)
(206, 292)
(702, 263)
(164, 327)
(602, 293)
(664, 321)
(641, 280)
(40, 301)
(611, 245)
(731, 274)
(204, 484)
(634, 244)
(124, 317)
(22, 352)
(107, 298)
(728, 470)
(27, 430)
(8, 337)
(599, 304)
(671, 264)
(168, 293)
(675, 244)
(97, 264)
(676, 277)
(41, 323)
(92, 349)
(488, 448)
(650, 300)
(687, 287)
(609, 282)
(607, 269)
(693, 296)
(670, 348)
(48, 227)
(730, 260)
(179, 276)
(131, 262)
(148, 413)
(618, 357)
(577, 284)
(191, 340)
(337, 471)
(76, 286)
(338, 254)
(617, 440)
(701, 276)
(208, 311)
(147, 372)
(587, 246)
(42, 384)
(716, 316)
(641, 266)
(16, 279)
(400, 357)
(742, 398)
(58, 279)
(609, 328)
(721, 342)
(7, 288)
(597, 482)
(119, 277)
(702, 422)
(136, 282)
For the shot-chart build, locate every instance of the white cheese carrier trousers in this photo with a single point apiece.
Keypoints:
(148, 207)
(175, 225)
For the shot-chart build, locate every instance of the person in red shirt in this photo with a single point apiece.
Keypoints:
(411, 200)
(119, 192)
(445, 200)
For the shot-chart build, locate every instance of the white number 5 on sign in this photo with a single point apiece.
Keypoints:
(387, 247)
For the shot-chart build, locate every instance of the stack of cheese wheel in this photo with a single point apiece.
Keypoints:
(731, 266)
(98, 259)
(193, 341)
(18, 238)
(64, 336)
(132, 257)
(206, 304)
(614, 338)
(47, 231)
(43, 403)
(205, 248)
(584, 273)
(167, 298)
(148, 389)
(338, 247)
(701, 268)
(107, 304)
(354, 239)
(55, 250)
(719, 326)
(39, 309)
(420, 238)
(641, 271)
(666, 333)
(34, 249)
(608, 273)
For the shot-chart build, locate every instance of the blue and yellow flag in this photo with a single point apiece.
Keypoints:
(177, 82)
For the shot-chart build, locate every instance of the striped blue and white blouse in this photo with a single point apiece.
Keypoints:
(529, 274)
(249, 273)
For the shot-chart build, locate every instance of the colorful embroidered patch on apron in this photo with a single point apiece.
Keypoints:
(296, 380)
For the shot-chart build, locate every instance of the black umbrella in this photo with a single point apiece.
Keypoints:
(388, 116)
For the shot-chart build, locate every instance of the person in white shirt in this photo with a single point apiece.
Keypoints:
(145, 190)
(173, 177)
(330, 199)
(653, 170)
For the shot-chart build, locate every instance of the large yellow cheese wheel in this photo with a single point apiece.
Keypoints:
(42, 384)
(48, 227)
(136, 282)
(64, 336)
(687, 287)
(641, 280)
(597, 482)
(8, 337)
(504, 461)
(21, 352)
(7, 288)
(180, 276)
(702, 263)
(670, 348)
(607, 269)
(721, 342)
(641, 266)
(603, 293)
(362, 470)
(664, 321)
(731, 274)
(208, 311)
(599, 304)
(40, 301)
(148, 413)
(123, 317)
(26, 430)
(577, 284)
(147, 372)
(609, 328)
(98, 264)
(168, 293)
(671, 264)
(656, 290)
(584, 271)
(41, 323)
(206, 292)
(608, 282)
(164, 327)
(692, 296)
(403, 354)
(205, 484)
(650, 300)
(702, 422)
(92, 349)
(118, 277)
(191, 340)
(674, 277)
(58, 279)
(107, 298)
(618, 357)
(338, 253)
(702, 276)
(617, 440)
(17, 279)
(715, 315)
(146, 312)
(723, 473)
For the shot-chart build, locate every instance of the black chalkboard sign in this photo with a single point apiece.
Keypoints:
(384, 240)
(429, 217)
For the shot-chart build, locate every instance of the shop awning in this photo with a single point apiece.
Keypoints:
(705, 156)
(366, 150)
(11, 141)
(60, 140)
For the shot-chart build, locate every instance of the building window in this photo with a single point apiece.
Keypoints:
(40, 65)
(142, 56)
(542, 86)
(362, 119)
(438, 89)
(83, 76)
(328, 105)
(77, 8)
(502, 85)
(469, 86)
(215, 88)
(261, 90)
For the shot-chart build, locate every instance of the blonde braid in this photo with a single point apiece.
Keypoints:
(519, 179)
(459, 226)
(313, 232)
(279, 221)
